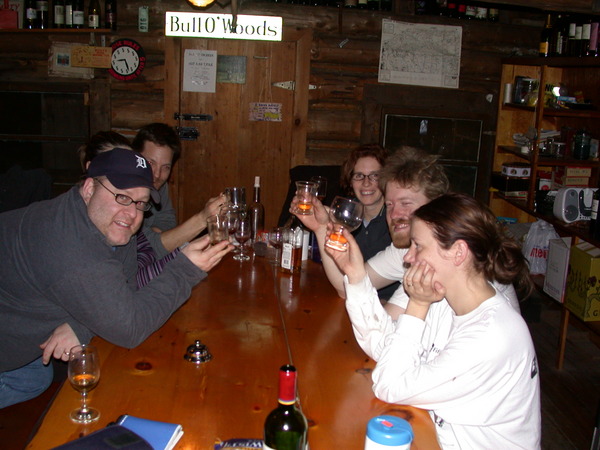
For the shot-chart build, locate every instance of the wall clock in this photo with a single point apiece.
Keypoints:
(128, 59)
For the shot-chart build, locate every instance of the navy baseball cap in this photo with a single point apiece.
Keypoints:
(125, 169)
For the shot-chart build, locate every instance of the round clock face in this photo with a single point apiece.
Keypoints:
(128, 59)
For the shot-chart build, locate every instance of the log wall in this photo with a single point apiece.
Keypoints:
(344, 60)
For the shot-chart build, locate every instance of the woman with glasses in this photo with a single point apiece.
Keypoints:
(360, 179)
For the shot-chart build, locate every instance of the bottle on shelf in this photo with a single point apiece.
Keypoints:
(461, 9)
(78, 14)
(592, 49)
(291, 249)
(68, 13)
(481, 12)
(546, 37)
(110, 14)
(362, 4)
(373, 5)
(41, 8)
(441, 7)
(257, 211)
(572, 29)
(350, 3)
(451, 10)
(470, 11)
(559, 36)
(30, 16)
(59, 13)
(286, 427)
(586, 28)
(420, 7)
(94, 14)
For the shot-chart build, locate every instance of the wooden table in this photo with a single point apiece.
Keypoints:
(253, 319)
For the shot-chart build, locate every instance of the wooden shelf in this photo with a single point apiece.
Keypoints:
(56, 31)
(585, 61)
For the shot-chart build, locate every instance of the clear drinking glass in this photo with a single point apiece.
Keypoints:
(218, 228)
(84, 374)
(276, 241)
(304, 191)
(233, 218)
(321, 191)
(344, 213)
(242, 234)
(236, 197)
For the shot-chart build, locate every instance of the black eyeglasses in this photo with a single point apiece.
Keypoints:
(374, 177)
(126, 200)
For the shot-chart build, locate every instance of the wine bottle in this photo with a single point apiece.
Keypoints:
(257, 211)
(586, 28)
(493, 14)
(69, 14)
(94, 14)
(59, 13)
(594, 225)
(78, 14)
(546, 37)
(286, 427)
(558, 36)
(110, 14)
(30, 16)
(41, 8)
(593, 45)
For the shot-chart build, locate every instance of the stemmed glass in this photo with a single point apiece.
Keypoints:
(242, 234)
(84, 374)
(276, 241)
(344, 213)
(232, 215)
(321, 192)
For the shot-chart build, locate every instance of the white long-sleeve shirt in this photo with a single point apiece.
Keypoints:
(476, 373)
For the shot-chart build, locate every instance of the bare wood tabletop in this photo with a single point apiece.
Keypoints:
(253, 319)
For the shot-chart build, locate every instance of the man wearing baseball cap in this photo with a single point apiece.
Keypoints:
(71, 262)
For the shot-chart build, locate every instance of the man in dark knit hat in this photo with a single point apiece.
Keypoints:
(69, 264)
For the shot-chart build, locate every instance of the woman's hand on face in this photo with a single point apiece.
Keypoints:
(419, 284)
(350, 262)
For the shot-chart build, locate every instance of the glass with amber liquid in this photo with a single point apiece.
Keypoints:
(84, 374)
(344, 213)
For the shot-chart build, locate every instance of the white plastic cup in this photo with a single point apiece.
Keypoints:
(388, 433)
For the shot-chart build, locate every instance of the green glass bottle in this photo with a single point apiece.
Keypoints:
(286, 427)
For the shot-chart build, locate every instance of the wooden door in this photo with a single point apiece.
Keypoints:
(231, 148)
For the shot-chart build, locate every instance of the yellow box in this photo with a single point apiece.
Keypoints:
(582, 295)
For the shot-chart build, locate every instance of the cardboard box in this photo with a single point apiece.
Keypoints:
(582, 296)
(509, 184)
(571, 171)
(556, 270)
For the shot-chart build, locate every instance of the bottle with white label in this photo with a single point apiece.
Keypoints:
(94, 14)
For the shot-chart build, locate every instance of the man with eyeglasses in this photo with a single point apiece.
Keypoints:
(70, 267)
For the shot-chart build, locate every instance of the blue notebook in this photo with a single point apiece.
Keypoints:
(160, 435)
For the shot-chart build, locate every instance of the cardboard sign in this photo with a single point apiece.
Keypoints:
(88, 56)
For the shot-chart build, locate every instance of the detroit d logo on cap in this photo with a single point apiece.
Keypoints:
(141, 162)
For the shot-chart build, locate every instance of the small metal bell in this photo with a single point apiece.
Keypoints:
(197, 353)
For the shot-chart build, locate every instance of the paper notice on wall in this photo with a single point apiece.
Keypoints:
(199, 70)
(420, 54)
(265, 112)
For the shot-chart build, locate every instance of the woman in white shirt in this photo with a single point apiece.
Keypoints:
(460, 350)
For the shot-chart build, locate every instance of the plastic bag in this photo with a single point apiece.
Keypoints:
(537, 244)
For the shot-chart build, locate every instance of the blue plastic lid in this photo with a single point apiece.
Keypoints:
(389, 430)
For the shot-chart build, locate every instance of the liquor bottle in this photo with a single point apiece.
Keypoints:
(385, 5)
(41, 8)
(59, 13)
(586, 28)
(286, 427)
(461, 9)
(572, 26)
(30, 16)
(78, 14)
(420, 7)
(291, 249)
(68, 13)
(451, 10)
(257, 211)
(470, 11)
(350, 3)
(593, 45)
(481, 13)
(559, 32)
(110, 14)
(94, 14)
(442, 7)
(546, 37)
(362, 4)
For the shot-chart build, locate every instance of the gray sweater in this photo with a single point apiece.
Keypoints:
(57, 267)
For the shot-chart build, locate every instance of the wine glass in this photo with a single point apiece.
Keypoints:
(344, 213)
(242, 234)
(84, 374)
(321, 191)
(276, 241)
(232, 215)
